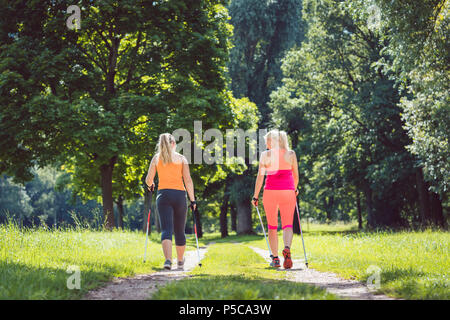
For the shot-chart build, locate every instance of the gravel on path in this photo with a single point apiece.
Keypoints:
(143, 286)
(344, 288)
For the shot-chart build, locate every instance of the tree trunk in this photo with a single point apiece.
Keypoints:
(327, 209)
(244, 217)
(358, 207)
(223, 216)
(233, 217)
(430, 205)
(424, 200)
(437, 210)
(106, 171)
(199, 223)
(369, 206)
(112, 64)
(119, 204)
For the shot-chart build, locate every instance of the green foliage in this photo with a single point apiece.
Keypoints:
(224, 180)
(418, 39)
(14, 200)
(342, 111)
(263, 31)
(413, 264)
(42, 202)
(96, 98)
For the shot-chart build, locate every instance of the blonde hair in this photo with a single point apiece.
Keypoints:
(164, 148)
(278, 139)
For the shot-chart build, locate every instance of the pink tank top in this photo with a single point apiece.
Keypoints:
(279, 175)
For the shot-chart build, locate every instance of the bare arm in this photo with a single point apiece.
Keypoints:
(188, 180)
(294, 168)
(151, 172)
(259, 179)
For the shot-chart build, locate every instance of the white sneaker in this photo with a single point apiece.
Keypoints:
(180, 264)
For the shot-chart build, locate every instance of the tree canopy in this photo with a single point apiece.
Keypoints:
(93, 97)
(362, 89)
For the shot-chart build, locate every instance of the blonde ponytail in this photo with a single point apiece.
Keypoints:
(284, 143)
(278, 139)
(164, 148)
(274, 137)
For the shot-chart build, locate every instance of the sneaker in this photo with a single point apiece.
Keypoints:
(168, 264)
(287, 264)
(180, 264)
(275, 262)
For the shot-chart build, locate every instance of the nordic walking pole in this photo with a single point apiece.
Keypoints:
(301, 233)
(195, 231)
(262, 226)
(148, 223)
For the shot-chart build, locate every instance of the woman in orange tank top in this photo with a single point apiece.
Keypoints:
(174, 180)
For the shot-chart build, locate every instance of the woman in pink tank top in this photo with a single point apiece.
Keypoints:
(279, 164)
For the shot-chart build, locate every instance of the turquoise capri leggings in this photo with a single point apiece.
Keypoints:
(172, 208)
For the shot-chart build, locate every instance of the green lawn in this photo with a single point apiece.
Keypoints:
(414, 265)
(233, 271)
(33, 264)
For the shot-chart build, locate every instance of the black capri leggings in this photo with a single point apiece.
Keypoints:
(172, 208)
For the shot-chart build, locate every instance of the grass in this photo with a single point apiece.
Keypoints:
(34, 263)
(232, 271)
(414, 265)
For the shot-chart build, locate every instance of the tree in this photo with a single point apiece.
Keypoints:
(263, 31)
(417, 35)
(243, 171)
(94, 97)
(351, 130)
(14, 201)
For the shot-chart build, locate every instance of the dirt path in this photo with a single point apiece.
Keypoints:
(347, 289)
(142, 287)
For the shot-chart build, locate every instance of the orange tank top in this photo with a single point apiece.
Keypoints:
(170, 175)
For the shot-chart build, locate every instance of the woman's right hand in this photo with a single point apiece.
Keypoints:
(255, 202)
(193, 205)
